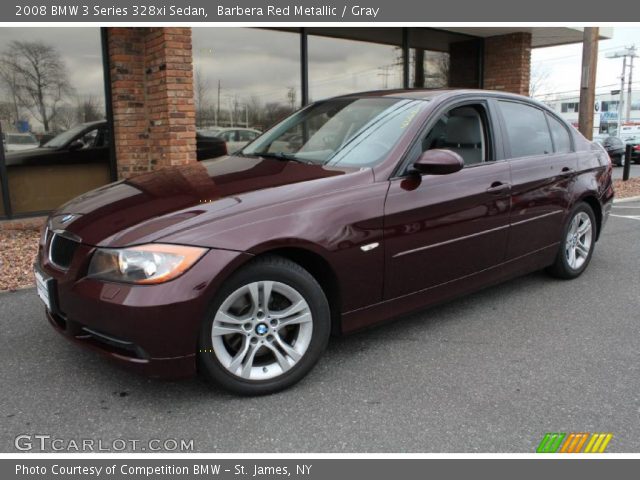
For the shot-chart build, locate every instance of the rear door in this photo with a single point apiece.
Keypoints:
(439, 228)
(543, 167)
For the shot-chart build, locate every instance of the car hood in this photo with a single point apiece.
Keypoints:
(20, 148)
(149, 207)
(21, 157)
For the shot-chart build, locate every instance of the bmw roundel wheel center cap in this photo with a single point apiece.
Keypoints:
(261, 329)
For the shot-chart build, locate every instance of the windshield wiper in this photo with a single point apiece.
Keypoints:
(280, 156)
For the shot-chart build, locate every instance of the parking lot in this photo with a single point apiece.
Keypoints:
(633, 172)
(491, 372)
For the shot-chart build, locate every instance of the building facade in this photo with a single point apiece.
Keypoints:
(607, 114)
(154, 87)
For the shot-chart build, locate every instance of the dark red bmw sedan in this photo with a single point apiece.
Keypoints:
(350, 212)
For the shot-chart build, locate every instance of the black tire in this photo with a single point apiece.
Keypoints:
(278, 269)
(561, 267)
(617, 160)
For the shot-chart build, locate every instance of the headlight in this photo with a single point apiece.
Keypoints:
(145, 264)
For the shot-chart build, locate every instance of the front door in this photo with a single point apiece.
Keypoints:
(440, 228)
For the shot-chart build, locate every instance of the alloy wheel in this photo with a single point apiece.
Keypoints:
(579, 240)
(262, 330)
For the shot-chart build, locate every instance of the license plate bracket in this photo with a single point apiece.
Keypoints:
(45, 288)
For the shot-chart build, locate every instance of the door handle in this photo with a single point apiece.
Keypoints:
(566, 171)
(498, 187)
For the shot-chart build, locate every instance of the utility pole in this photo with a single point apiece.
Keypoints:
(385, 73)
(632, 55)
(588, 81)
(218, 106)
(628, 52)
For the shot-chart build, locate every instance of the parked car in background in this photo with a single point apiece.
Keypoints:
(635, 153)
(89, 142)
(615, 148)
(236, 138)
(630, 135)
(86, 142)
(17, 142)
(209, 147)
(389, 202)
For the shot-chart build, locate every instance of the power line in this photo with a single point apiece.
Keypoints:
(577, 90)
(564, 57)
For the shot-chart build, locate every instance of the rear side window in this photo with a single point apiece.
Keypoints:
(561, 139)
(527, 129)
(246, 136)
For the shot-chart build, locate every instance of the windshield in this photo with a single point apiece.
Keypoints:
(343, 131)
(21, 139)
(65, 137)
(209, 132)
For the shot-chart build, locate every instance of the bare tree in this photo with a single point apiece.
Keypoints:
(539, 80)
(10, 85)
(274, 112)
(66, 117)
(40, 78)
(89, 108)
(437, 69)
(430, 68)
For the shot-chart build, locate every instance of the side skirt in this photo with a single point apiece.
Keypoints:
(389, 309)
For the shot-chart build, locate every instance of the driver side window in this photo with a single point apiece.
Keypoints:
(462, 130)
(88, 139)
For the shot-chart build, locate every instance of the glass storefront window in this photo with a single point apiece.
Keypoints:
(428, 69)
(51, 81)
(244, 77)
(338, 66)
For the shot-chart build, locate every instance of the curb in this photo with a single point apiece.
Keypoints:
(627, 199)
(19, 289)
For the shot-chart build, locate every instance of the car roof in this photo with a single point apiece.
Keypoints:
(432, 93)
(226, 129)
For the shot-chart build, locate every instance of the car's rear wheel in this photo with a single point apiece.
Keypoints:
(577, 245)
(618, 160)
(267, 328)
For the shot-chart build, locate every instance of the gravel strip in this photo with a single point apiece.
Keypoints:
(18, 249)
(630, 188)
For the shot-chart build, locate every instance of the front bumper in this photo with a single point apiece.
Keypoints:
(152, 329)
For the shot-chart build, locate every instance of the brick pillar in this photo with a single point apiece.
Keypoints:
(152, 94)
(507, 62)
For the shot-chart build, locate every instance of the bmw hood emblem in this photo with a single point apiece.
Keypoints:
(67, 218)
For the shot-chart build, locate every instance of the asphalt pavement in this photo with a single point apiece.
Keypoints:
(490, 372)
(634, 171)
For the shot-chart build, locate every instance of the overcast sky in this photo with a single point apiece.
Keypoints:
(563, 63)
(80, 49)
(265, 64)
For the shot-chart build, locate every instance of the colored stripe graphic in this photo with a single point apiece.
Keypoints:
(598, 443)
(550, 443)
(580, 443)
(573, 442)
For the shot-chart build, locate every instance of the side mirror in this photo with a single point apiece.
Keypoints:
(75, 145)
(438, 162)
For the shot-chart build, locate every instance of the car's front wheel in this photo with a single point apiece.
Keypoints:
(267, 328)
(577, 244)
